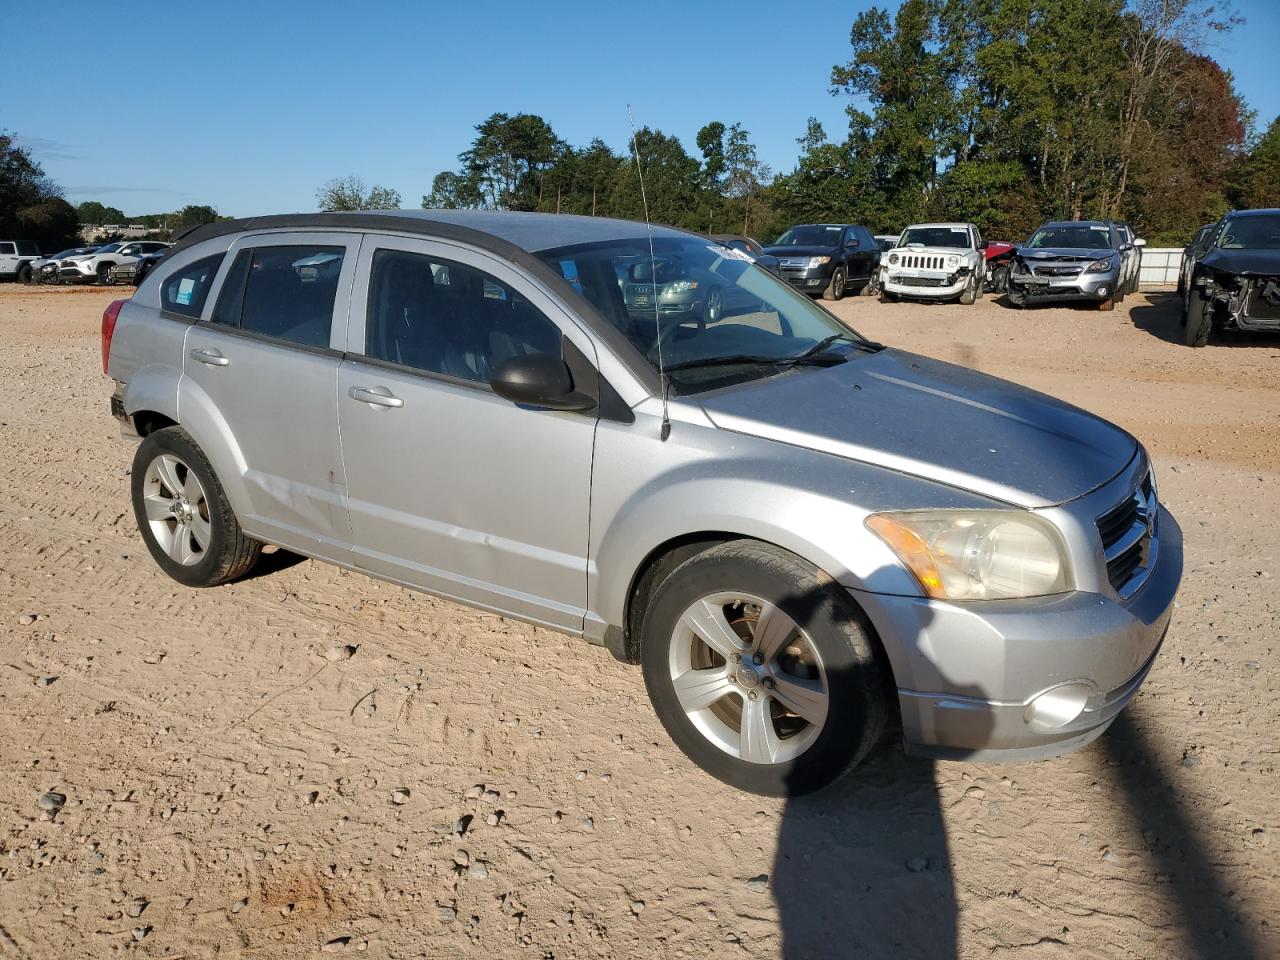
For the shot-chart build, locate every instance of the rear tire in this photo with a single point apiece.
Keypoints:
(835, 289)
(813, 652)
(183, 513)
(1199, 319)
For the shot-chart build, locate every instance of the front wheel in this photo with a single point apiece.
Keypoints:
(104, 275)
(970, 292)
(1199, 319)
(183, 513)
(761, 670)
(835, 290)
(24, 273)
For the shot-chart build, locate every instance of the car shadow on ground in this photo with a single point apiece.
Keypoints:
(1161, 316)
(273, 560)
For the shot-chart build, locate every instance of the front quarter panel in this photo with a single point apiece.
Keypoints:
(646, 492)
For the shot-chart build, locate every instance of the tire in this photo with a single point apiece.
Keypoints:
(872, 287)
(1199, 319)
(1107, 305)
(970, 292)
(835, 289)
(163, 468)
(830, 662)
(24, 273)
(887, 297)
(104, 274)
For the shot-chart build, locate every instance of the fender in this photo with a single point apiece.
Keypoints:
(153, 387)
(730, 484)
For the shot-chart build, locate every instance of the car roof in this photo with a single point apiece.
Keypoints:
(1077, 223)
(914, 225)
(1261, 211)
(531, 232)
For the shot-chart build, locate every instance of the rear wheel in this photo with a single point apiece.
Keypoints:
(183, 513)
(761, 670)
(1199, 319)
(835, 289)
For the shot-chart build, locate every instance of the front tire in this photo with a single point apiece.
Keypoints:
(762, 671)
(1107, 305)
(1199, 319)
(104, 275)
(183, 513)
(24, 273)
(835, 289)
(970, 293)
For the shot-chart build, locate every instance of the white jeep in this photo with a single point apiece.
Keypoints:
(935, 261)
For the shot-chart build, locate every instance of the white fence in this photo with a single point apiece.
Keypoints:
(1160, 266)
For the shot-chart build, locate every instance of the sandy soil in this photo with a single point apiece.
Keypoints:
(468, 786)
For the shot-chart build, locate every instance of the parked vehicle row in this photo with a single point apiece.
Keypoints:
(796, 532)
(122, 262)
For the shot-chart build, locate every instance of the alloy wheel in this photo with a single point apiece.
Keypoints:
(177, 509)
(748, 678)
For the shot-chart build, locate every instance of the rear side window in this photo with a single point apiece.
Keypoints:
(282, 292)
(6, 248)
(27, 249)
(449, 318)
(185, 290)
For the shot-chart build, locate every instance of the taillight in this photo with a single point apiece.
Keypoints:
(109, 317)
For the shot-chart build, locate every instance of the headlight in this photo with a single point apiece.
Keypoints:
(818, 261)
(1101, 266)
(680, 286)
(977, 554)
(953, 261)
(893, 259)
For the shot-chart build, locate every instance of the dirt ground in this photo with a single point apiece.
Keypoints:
(467, 786)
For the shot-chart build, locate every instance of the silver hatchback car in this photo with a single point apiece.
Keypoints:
(802, 536)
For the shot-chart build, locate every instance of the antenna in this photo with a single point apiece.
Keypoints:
(663, 380)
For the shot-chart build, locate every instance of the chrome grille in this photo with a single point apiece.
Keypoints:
(1056, 271)
(1128, 532)
(793, 263)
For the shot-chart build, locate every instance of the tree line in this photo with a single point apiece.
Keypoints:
(1004, 112)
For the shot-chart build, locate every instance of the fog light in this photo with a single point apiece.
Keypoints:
(1102, 291)
(1058, 706)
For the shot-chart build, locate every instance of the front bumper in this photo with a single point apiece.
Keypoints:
(812, 281)
(937, 286)
(1096, 287)
(973, 678)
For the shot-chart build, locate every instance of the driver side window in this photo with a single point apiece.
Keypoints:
(449, 318)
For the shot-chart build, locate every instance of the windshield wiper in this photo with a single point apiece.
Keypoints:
(810, 356)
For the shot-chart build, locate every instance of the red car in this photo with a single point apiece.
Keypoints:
(999, 255)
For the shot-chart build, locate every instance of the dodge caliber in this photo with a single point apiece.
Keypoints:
(803, 537)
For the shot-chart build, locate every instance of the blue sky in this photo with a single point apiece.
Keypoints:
(251, 106)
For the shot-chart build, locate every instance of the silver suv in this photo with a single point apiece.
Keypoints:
(802, 536)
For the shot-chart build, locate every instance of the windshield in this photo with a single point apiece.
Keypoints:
(109, 248)
(936, 237)
(1257, 232)
(708, 303)
(1073, 237)
(817, 235)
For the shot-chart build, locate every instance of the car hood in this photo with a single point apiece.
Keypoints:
(1245, 262)
(933, 420)
(801, 251)
(936, 251)
(1063, 253)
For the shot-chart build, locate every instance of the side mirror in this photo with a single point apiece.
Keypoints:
(851, 243)
(1139, 243)
(538, 380)
(983, 244)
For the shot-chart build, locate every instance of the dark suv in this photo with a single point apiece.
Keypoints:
(831, 259)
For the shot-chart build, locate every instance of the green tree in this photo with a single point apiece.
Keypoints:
(93, 212)
(745, 175)
(452, 191)
(1255, 180)
(31, 205)
(672, 183)
(508, 159)
(350, 193)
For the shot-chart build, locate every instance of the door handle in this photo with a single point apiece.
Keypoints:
(212, 357)
(377, 396)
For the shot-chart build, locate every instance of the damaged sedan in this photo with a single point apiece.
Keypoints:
(1090, 261)
(1236, 283)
